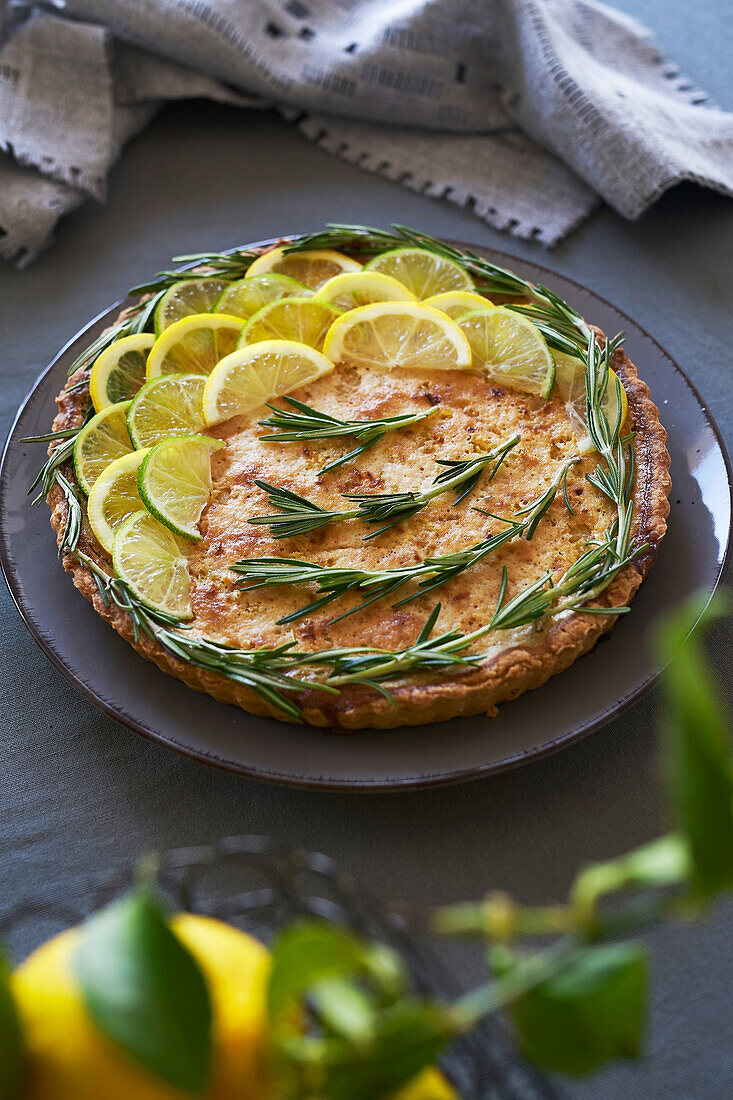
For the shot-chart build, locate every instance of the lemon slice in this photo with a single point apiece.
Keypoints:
(166, 406)
(100, 442)
(255, 374)
(194, 345)
(186, 298)
(457, 302)
(302, 319)
(361, 288)
(114, 497)
(311, 268)
(175, 481)
(570, 382)
(510, 349)
(119, 372)
(151, 560)
(246, 296)
(424, 273)
(397, 334)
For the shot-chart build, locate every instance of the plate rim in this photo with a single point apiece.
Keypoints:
(360, 785)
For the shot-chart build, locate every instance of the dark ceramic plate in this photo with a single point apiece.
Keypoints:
(102, 666)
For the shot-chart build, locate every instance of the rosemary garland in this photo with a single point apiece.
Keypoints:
(300, 516)
(306, 423)
(334, 582)
(268, 671)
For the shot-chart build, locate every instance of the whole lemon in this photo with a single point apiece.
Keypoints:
(69, 1059)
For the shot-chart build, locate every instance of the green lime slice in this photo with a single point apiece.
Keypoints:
(245, 297)
(423, 272)
(510, 349)
(187, 297)
(175, 481)
(100, 442)
(166, 406)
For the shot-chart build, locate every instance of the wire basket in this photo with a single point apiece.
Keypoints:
(258, 886)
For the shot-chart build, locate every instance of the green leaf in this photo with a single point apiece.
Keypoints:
(590, 1012)
(12, 1047)
(307, 953)
(697, 755)
(144, 991)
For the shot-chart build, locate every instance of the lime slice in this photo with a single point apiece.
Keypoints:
(166, 406)
(457, 302)
(246, 296)
(361, 288)
(114, 497)
(188, 297)
(175, 481)
(302, 319)
(397, 334)
(100, 442)
(510, 349)
(424, 273)
(194, 345)
(311, 268)
(252, 375)
(570, 382)
(119, 372)
(152, 562)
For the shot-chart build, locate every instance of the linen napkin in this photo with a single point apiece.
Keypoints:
(527, 111)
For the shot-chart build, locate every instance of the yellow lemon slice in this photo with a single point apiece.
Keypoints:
(100, 442)
(311, 268)
(361, 288)
(397, 334)
(151, 560)
(166, 406)
(255, 374)
(510, 349)
(302, 319)
(186, 298)
(175, 481)
(423, 272)
(194, 345)
(245, 297)
(457, 302)
(570, 382)
(114, 497)
(119, 372)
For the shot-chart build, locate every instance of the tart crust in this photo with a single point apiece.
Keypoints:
(504, 676)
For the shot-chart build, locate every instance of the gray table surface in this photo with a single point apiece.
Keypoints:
(78, 792)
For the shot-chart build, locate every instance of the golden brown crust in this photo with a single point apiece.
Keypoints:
(417, 700)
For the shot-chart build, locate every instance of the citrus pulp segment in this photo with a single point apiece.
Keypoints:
(311, 267)
(304, 320)
(150, 559)
(166, 406)
(175, 481)
(424, 273)
(510, 349)
(397, 334)
(119, 372)
(361, 288)
(100, 442)
(194, 345)
(246, 296)
(255, 374)
(186, 298)
(114, 497)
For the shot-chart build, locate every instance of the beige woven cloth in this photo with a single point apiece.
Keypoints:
(528, 111)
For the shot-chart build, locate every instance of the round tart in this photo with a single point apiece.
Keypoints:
(407, 536)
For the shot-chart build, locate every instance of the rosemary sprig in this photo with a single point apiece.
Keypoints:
(58, 457)
(306, 423)
(300, 516)
(333, 582)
